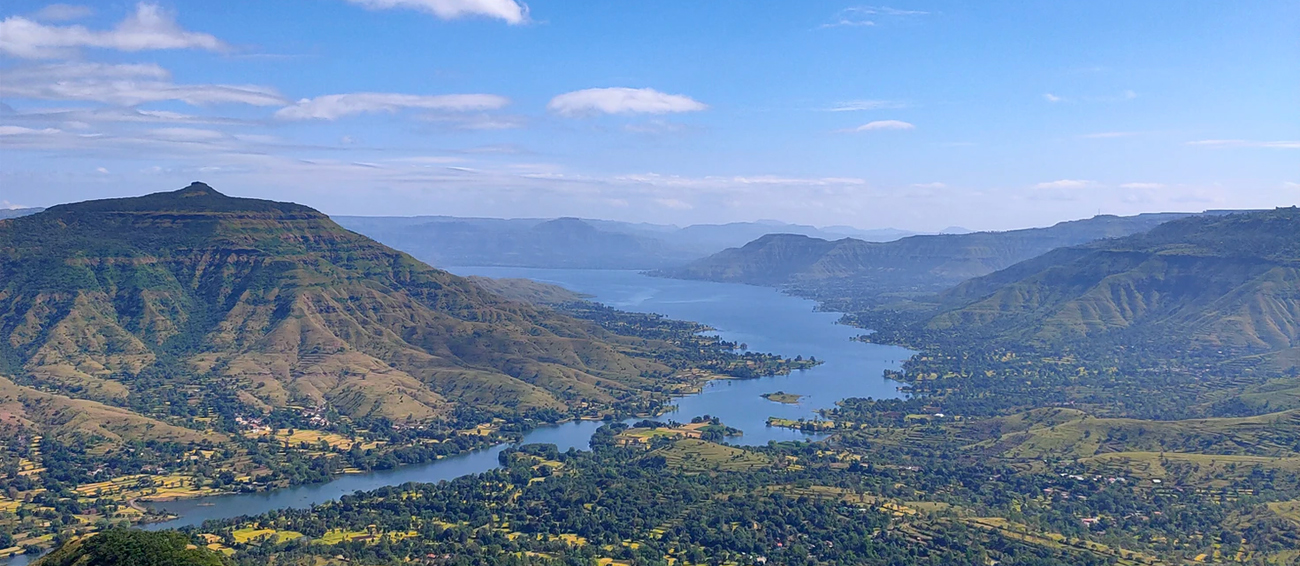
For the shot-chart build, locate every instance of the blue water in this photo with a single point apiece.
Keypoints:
(763, 318)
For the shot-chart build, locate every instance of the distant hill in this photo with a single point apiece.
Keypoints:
(122, 547)
(1226, 284)
(236, 302)
(710, 238)
(561, 242)
(572, 242)
(529, 291)
(16, 212)
(925, 263)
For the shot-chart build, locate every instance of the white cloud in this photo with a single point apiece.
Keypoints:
(883, 125)
(63, 12)
(930, 185)
(1291, 185)
(84, 118)
(158, 143)
(187, 134)
(1064, 184)
(734, 182)
(149, 28)
(1140, 186)
(1247, 143)
(124, 85)
(621, 101)
(335, 106)
(483, 121)
(1052, 97)
(20, 130)
(865, 16)
(509, 10)
(855, 105)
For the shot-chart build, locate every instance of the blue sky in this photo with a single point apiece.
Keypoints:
(917, 115)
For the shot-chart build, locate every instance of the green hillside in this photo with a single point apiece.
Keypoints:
(121, 547)
(855, 268)
(1216, 285)
(199, 294)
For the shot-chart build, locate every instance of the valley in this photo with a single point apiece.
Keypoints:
(273, 349)
(1085, 455)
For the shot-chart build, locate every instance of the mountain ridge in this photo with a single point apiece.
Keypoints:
(569, 242)
(276, 305)
(1229, 282)
(915, 264)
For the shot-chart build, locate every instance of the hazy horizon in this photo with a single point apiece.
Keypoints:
(771, 221)
(913, 115)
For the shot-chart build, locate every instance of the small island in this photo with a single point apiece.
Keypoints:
(707, 428)
(783, 397)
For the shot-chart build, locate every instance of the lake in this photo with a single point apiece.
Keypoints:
(763, 318)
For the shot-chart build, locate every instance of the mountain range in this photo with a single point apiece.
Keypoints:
(1227, 284)
(195, 297)
(572, 242)
(916, 264)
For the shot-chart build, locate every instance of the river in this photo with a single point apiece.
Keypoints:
(764, 319)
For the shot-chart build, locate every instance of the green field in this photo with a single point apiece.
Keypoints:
(692, 455)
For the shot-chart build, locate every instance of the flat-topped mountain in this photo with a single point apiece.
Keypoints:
(916, 263)
(193, 295)
(1228, 284)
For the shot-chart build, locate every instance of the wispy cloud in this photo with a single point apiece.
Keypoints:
(882, 125)
(22, 131)
(621, 101)
(509, 10)
(63, 12)
(1109, 135)
(1064, 184)
(149, 28)
(125, 85)
(867, 16)
(1247, 143)
(930, 185)
(1140, 186)
(1123, 96)
(673, 203)
(187, 134)
(476, 121)
(111, 114)
(335, 106)
(655, 127)
(860, 105)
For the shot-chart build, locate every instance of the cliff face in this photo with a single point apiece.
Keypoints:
(273, 304)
